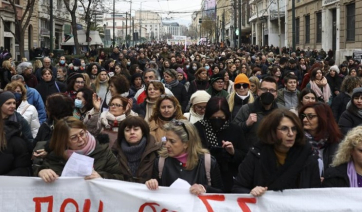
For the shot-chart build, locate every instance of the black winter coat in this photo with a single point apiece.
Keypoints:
(15, 158)
(179, 91)
(260, 168)
(238, 103)
(46, 89)
(336, 177)
(334, 83)
(339, 104)
(196, 85)
(173, 169)
(348, 120)
(228, 163)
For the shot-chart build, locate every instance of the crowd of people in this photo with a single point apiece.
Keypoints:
(225, 120)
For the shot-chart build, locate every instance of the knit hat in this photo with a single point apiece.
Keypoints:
(74, 75)
(76, 62)
(171, 72)
(356, 90)
(180, 71)
(334, 68)
(241, 78)
(199, 96)
(216, 77)
(5, 96)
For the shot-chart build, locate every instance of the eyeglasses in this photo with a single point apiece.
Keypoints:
(268, 90)
(309, 116)
(286, 130)
(244, 85)
(115, 105)
(219, 82)
(75, 138)
(79, 82)
(200, 107)
(180, 123)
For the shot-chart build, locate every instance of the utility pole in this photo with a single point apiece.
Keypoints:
(216, 21)
(51, 25)
(235, 24)
(239, 24)
(279, 28)
(114, 22)
(132, 31)
(140, 36)
(293, 24)
(126, 27)
(130, 16)
(223, 26)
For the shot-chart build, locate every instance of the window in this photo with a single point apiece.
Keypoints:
(351, 21)
(297, 30)
(59, 4)
(307, 29)
(319, 27)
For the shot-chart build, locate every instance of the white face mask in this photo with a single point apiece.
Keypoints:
(75, 68)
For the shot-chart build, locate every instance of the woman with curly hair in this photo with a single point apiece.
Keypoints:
(166, 109)
(346, 170)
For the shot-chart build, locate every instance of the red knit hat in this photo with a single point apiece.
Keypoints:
(242, 79)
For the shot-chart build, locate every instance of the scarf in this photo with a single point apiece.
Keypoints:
(182, 158)
(149, 109)
(359, 113)
(134, 154)
(114, 121)
(316, 86)
(243, 97)
(172, 84)
(352, 174)
(194, 117)
(317, 145)
(87, 150)
(211, 136)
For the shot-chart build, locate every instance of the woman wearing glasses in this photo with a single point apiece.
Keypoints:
(352, 117)
(110, 120)
(71, 135)
(183, 157)
(75, 82)
(241, 94)
(198, 105)
(166, 109)
(321, 131)
(218, 136)
(281, 160)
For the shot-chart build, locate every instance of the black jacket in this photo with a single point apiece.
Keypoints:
(45, 89)
(260, 168)
(15, 158)
(334, 83)
(339, 104)
(179, 91)
(173, 170)
(228, 163)
(45, 132)
(336, 177)
(348, 120)
(238, 103)
(196, 85)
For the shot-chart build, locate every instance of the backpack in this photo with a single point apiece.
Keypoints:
(207, 160)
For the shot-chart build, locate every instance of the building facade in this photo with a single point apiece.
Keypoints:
(148, 25)
(327, 24)
(172, 28)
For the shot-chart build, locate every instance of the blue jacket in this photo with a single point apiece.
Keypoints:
(35, 99)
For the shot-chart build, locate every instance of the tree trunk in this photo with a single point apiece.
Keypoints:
(75, 34)
(22, 44)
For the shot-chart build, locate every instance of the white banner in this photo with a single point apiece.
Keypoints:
(76, 194)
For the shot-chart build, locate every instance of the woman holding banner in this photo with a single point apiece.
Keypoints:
(281, 160)
(346, 170)
(183, 157)
(80, 141)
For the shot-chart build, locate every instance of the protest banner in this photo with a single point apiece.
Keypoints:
(77, 194)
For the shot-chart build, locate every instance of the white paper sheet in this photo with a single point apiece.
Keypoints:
(78, 166)
(180, 183)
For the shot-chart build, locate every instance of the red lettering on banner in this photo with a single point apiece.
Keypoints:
(39, 200)
(100, 208)
(148, 204)
(66, 202)
(152, 206)
(242, 203)
(205, 199)
(87, 205)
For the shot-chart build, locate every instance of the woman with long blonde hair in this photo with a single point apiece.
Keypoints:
(183, 157)
(346, 168)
